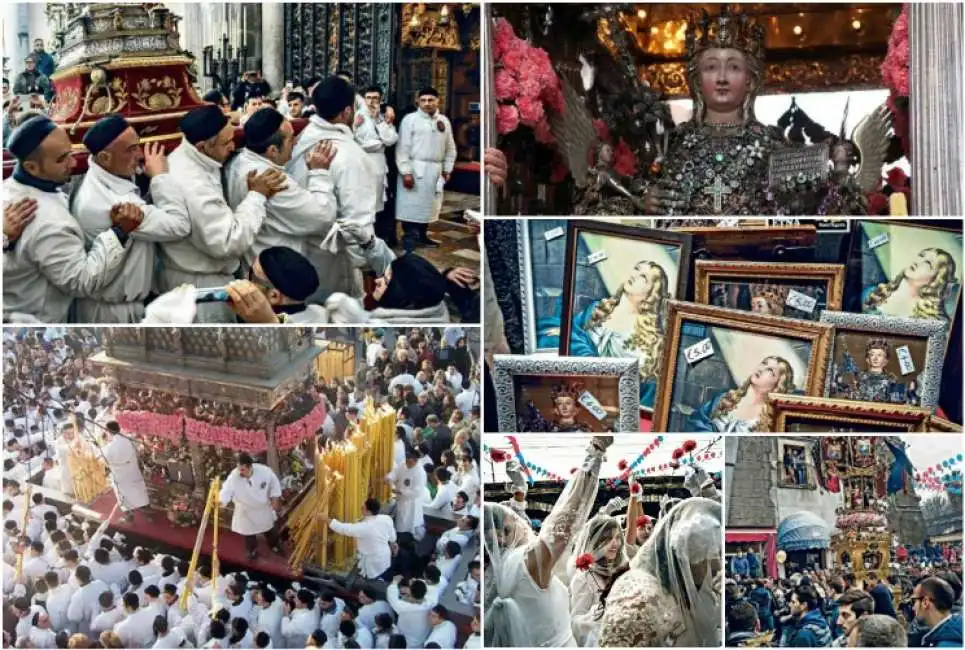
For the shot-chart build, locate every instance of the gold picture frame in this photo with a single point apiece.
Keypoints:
(936, 424)
(873, 417)
(816, 335)
(708, 271)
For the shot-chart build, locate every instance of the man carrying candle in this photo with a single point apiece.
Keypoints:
(256, 493)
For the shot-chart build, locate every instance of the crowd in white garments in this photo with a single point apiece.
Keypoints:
(279, 229)
(69, 583)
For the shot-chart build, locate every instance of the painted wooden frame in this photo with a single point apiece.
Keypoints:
(880, 417)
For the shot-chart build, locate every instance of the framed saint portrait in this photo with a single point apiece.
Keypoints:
(877, 358)
(805, 414)
(538, 394)
(794, 465)
(542, 258)
(616, 285)
(910, 271)
(720, 365)
(777, 289)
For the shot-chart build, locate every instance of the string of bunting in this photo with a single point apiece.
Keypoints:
(933, 478)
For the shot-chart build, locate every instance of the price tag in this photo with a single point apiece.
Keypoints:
(592, 405)
(800, 301)
(905, 360)
(698, 351)
(875, 242)
(555, 233)
(598, 256)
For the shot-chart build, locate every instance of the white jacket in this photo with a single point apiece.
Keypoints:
(219, 237)
(299, 217)
(374, 534)
(374, 134)
(49, 265)
(166, 221)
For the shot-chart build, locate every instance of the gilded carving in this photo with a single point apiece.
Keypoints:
(65, 104)
(853, 71)
(158, 94)
(428, 30)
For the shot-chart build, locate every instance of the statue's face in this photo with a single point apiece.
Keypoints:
(725, 79)
(759, 305)
(566, 407)
(877, 359)
(766, 376)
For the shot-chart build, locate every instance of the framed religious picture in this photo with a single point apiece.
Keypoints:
(805, 414)
(795, 465)
(542, 252)
(616, 285)
(936, 424)
(779, 289)
(877, 358)
(750, 241)
(566, 394)
(720, 365)
(909, 270)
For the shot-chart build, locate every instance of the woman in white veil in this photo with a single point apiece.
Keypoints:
(526, 605)
(599, 553)
(670, 596)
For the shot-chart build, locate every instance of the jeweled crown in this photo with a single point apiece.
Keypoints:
(567, 389)
(725, 30)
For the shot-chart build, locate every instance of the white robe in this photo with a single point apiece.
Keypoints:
(137, 630)
(355, 181)
(84, 605)
(367, 613)
(269, 620)
(413, 617)
(126, 477)
(444, 634)
(122, 300)
(297, 626)
(252, 499)
(49, 266)
(42, 638)
(219, 237)
(374, 134)
(299, 217)
(425, 152)
(173, 639)
(408, 505)
(374, 534)
(445, 495)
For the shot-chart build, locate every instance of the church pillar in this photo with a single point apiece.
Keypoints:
(935, 36)
(273, 44)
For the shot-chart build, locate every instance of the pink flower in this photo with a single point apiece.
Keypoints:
(553, 98)
(544, 134)
(507, 119)
(530, 111)
(505, 86)
(529, 87)
(502, 34)
(513, 58)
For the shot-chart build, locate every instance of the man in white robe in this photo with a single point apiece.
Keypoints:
(220, 236)
(48, 266)
(375, 535)
(126, 478)
(408, 481)
(375, 131)
(412, 610)
(443, 630)
(85, 602)
(109, 181)
(256, 493)
(351, 243)
(425, 156)
(297, 217)
(137, 630)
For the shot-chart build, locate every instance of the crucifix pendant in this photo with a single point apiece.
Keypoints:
(718, 190)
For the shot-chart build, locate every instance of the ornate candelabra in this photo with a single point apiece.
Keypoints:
(225, 69)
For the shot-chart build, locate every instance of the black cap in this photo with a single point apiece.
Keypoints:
(25, 139)
(203, 123)
(289, 271)
(104, 132)
(332, 96)
(428, 91)
(263, 124)
(415, 284)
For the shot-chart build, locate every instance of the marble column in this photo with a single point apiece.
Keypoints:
(273, 44)
(935, 34)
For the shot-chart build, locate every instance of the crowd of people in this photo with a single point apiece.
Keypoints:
(917, 606)
(617, 578)
(277, 227)
(73, 583)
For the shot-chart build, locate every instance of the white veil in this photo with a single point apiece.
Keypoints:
(505, 532)
(684, 550)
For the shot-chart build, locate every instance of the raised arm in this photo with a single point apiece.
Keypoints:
(570, 512)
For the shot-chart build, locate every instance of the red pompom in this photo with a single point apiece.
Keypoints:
(498, 455)
(622, 465)
(584, 562)
(690, 445)
(643, 520)
(678, 454)
(635, 488)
